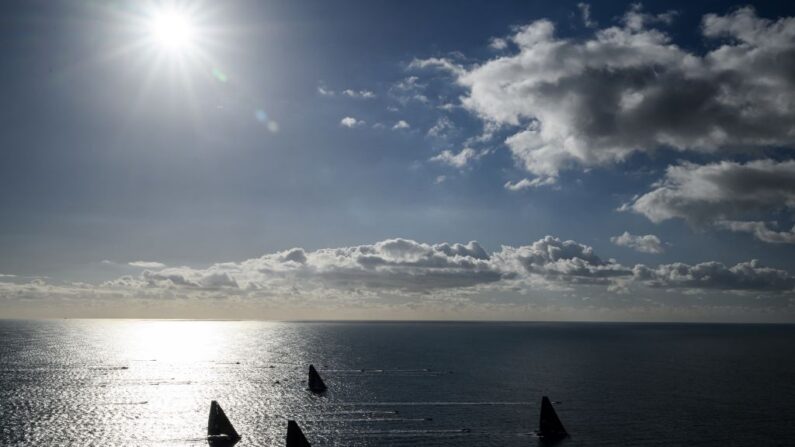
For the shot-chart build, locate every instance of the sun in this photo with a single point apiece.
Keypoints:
(173, 30)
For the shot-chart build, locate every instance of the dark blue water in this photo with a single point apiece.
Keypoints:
(147, 383)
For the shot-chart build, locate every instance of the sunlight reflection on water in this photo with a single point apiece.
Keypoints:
(150, 383)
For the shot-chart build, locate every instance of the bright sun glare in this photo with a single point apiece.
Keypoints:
(173, 30)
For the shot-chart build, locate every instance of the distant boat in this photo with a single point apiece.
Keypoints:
(220, 431)
(549, 425)
(316, 384)
(295, 437)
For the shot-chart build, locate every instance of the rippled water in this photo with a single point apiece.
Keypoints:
(147, 383)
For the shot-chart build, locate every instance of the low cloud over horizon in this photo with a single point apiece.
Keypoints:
(407, 276)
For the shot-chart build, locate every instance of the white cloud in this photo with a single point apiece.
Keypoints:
(408, 83)
(325, 91)
(528, 184)
(636, 19)
(441, 128)
(351, 122)
(351, 93)
(585, 14)
(565, 261)
(147, 264)
(760, 230)
(359, 94)
(498, 43)
(403, 272)
(438, 62)
(390, 264)
(459, 160)
(629, 88)
(409, 89)
(745, 276)
(648, 243)
(401, 125)
(711, 193)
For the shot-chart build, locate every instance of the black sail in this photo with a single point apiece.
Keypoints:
(218, 424)
(295, 437)
(549, 425)
(316, 384)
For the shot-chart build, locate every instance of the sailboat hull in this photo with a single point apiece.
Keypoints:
(222, 441)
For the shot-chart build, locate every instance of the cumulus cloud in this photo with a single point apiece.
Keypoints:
(359, 94)
(401, 125)
(441, 128)
(636, 18)
(147, 264)
(722, 194)
(459, 160)
(630, 88)
(760, 230)
(409, 89)
(745, 276)
(351, 93)
(528, 184)
(585, 14)
(409, 83)
(648, 243)
(324, 91)
(399, 272)
(351, 122)
(498, 43)
(439, 62)
(391, 264)
(555, 259)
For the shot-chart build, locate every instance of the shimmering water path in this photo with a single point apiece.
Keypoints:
(149, 383)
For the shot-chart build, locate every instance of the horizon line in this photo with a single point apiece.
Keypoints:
(388, 321)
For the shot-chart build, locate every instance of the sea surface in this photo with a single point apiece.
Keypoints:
(150, 383)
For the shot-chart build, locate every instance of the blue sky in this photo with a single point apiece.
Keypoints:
(653, 143)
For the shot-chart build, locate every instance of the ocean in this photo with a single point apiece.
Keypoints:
(150, 383)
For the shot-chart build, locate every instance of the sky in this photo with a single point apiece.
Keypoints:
(398, 160)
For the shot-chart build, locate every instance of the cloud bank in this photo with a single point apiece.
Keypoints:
(406, 274)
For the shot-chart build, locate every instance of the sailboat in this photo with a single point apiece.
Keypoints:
(316, 384)
(220, 431)
(295, 437)
(549, 426)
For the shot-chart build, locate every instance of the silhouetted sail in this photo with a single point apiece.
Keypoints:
(295, 437)
(549, 425)
(316, 384)
(218, 425)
